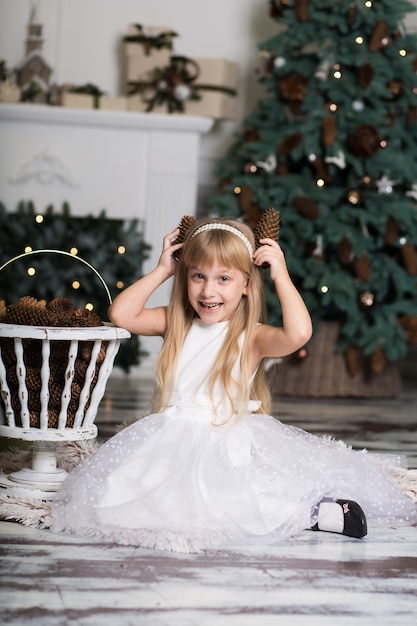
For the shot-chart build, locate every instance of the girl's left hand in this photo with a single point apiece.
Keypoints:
(270, 252)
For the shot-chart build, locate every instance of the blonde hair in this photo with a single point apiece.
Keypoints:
(206, 248)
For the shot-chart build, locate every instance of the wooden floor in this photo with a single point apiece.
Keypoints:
(315, 578)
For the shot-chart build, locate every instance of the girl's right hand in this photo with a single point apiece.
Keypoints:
(166, 260)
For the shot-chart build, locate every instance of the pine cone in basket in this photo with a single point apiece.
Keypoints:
(27, 311)
(53, 416)
(59, 352)
(73, 404)
(85, 318)
(2, 311)
(55, 392)
(7, 352)
(33, 379)
(80, 369)
(61, 311)
(32, 351)
(34, 406)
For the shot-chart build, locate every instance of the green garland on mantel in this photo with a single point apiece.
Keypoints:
(113, 247)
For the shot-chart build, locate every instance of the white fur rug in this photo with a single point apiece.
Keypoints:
(32, 511)
(27, 509)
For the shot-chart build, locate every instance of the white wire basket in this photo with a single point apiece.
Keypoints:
(25, 409)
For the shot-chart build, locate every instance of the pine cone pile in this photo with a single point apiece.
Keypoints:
(60, 312)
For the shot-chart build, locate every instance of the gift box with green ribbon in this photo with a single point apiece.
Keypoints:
(147, 47)
(91, 97)
(204, 87)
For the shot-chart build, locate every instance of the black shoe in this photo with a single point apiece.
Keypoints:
(341, 516)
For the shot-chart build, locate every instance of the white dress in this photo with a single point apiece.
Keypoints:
(176, 481)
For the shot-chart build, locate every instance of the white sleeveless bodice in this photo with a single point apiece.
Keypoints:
(195, 364)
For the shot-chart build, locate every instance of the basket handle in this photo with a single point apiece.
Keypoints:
(73, 256)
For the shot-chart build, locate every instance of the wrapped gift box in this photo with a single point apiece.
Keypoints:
(218, 73)
(216, 80)
(213, 104)
(143, 57)
(136, 103)
(87, 101)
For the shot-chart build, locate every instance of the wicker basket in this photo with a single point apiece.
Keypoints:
(26, 416)
(323, 373)
(21, 423)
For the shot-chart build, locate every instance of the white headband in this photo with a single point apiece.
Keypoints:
(230, 229)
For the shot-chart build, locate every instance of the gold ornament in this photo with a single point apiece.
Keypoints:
(250, 168)
(354, 196)
(366, 300)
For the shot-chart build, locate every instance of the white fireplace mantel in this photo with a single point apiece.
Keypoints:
(131, 165)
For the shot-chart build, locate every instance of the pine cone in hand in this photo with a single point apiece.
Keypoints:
(267, 226)
(187, 221)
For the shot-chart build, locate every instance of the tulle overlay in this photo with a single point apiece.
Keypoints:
(175, 481)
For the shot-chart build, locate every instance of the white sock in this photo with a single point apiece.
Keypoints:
(330, 517)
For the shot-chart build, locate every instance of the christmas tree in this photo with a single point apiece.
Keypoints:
(333, 146)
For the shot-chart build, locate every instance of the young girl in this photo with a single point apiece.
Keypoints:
(211, 467)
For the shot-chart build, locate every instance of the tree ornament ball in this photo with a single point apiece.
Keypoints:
(279, 62)
(250, 168)
(354, 197)
(366, 299)
(182, 92)
(358, 106)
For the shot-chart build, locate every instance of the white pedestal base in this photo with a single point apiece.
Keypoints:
(42, 480)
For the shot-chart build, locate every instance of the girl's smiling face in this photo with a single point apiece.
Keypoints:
(215, 292)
